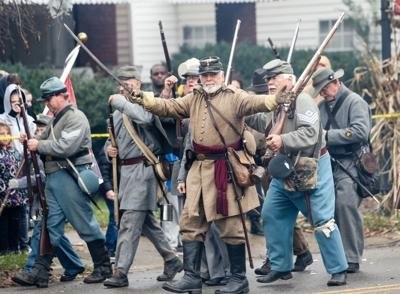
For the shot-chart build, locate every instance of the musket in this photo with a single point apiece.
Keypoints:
(114, 161)
(45, 245)
(103, 67)
(293, 44)
(179, 137)
(229, 67)
(299, 86)
(274, 50)
(166, 54)
(340, 164)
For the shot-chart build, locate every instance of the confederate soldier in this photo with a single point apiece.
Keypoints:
(138, 183)
(284, 198)
(209, 195)
(68, 137)
(278, 74)
(347, 120)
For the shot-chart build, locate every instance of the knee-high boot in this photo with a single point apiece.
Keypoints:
(238, 283)
(191, 280)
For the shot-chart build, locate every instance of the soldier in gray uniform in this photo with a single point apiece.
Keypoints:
(286, 196)
(68, 137)
(274, 71)
(346, 118)
(138, 183)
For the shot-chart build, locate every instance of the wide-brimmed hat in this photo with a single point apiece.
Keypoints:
(189, 67)
(128, 72)
(258, 84)
(50, 87)
(211, 64)
(277, 67)
(322, 77)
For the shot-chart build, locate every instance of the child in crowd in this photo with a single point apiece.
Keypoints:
(15, 205)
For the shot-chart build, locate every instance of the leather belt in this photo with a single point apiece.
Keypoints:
(132, 161)
(201, 156)
(323, 151)
(73, 157)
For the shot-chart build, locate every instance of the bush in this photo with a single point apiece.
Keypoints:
(248, 57)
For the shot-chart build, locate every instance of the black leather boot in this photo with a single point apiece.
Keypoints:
(264, 269)
(191, 280)
(171, 268)
(302, 261)
(101, 262)
(38, 276)
(119, 279)
(238, 283)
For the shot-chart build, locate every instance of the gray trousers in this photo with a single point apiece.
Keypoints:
(215, 259)
(347, 215)
(132, 224)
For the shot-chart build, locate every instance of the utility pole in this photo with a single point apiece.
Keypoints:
(385, 29)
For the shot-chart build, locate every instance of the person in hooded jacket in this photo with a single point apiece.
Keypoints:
(13, 117)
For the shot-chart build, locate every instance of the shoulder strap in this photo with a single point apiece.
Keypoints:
(214, 122)
(331, 114)
(223, 117)
(143, 147)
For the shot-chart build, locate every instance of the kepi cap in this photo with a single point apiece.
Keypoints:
(128, 72)
(50, 87)
(322, 77)
(258, 84)
(210, 64)
(42, 119)
(277, 67)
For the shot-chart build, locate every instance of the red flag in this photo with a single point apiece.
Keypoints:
(70, 90)
(396, 7)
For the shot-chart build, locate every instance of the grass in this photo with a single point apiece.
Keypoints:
(101, 216)
(12, 261)
(375, 223)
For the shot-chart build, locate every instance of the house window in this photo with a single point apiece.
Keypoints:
(343, 39)
(198, 36)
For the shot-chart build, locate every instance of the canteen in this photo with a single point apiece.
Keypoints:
(166, 212)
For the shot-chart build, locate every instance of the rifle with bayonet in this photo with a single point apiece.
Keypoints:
(293, 44)
(298, 88)
(45, 245)
(229, 67)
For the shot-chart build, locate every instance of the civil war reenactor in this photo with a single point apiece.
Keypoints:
(275, 75)
(346, 118)
(67, 137)
(301, 138)
(210, 195)
(138, 183)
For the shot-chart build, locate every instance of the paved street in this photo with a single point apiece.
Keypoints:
(379, 272)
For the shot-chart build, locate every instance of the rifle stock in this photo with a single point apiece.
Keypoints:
(166, 54)
(45, 245)
(114, 161)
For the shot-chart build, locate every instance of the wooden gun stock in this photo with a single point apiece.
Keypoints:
(114, 161)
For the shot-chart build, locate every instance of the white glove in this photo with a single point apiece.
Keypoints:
(13, 184)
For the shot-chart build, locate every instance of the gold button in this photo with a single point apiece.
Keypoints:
(201, 139)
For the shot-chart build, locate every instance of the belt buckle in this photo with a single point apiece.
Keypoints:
(48, 158)
(200, 156)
